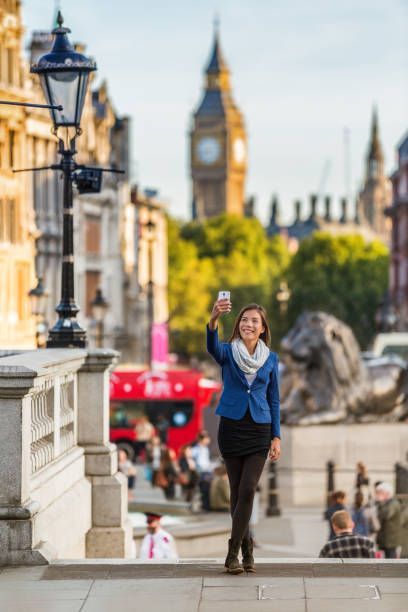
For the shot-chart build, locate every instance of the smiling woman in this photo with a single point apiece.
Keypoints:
(249, 410)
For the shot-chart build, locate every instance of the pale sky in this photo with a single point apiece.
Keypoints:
(302, 72)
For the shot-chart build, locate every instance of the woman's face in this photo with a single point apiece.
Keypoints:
(250, 325)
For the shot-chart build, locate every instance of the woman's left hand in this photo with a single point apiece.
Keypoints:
(274, 451)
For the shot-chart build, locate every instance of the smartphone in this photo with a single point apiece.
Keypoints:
(224, 295)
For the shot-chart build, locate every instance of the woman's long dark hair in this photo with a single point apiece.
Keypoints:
(265, 336)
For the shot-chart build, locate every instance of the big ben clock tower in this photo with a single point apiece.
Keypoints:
(218, 145)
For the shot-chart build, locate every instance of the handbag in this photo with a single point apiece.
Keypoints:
(161, 480)
(183, 479)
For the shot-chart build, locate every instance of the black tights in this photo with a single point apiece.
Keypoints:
(243, 475)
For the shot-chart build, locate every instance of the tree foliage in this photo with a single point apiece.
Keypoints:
(340, 275)
(226, 252)
(343, 276)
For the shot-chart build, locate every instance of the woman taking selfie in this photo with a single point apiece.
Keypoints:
(249, 427)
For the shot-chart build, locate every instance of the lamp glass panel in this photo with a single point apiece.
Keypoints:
(83, 86)
(99, 312)
(61, 87)
(34, 304)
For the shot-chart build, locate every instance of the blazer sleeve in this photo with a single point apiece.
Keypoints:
(274, 401)
(215, 347)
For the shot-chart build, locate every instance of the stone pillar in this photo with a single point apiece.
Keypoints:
(111, 533)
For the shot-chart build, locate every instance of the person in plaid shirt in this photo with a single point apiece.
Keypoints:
(345, 543)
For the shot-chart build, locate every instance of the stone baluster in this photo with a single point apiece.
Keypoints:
(111, 532)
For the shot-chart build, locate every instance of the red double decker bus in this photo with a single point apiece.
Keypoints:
(182, 397)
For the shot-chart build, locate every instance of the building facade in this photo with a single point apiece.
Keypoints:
(398, 214)
(144, 247)
(218, 150)
(17, 227)
(367, 217)
(376, 194)
(104, 142)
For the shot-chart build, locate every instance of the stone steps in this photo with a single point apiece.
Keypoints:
(185, 568)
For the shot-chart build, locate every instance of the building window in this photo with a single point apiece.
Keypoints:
(12, 143)
(22, 289)
(10, 66)
(2, 221)
(8, 221)
(93, 235)
(92, 283)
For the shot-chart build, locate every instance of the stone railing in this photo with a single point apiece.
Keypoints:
(60, 492)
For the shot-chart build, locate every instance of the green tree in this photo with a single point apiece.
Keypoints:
(341, 275)
(226, 252)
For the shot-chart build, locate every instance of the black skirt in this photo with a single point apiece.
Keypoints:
(243, 437)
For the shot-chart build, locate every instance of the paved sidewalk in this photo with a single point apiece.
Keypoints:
(103, 586)
(298, 532)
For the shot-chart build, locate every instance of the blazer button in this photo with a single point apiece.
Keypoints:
(249, 390)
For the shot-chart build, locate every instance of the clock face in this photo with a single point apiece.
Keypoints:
(239, 150)
(208, 150)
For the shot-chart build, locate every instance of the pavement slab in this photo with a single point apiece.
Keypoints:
(260, 591)
(144, 603)
(54, 605)
(355, 605)
(334, 589)
(250, 579)
(27, 591)
(164, 588)
(15, 573)
(293, 605)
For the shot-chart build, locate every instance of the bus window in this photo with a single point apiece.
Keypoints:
(126, 413)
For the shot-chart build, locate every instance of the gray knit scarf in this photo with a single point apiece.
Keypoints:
(249, 364)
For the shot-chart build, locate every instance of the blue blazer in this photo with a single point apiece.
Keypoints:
(262, 397)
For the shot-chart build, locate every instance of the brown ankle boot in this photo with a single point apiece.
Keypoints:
(248, 562)
(232, 565)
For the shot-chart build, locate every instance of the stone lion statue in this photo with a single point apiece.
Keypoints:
(324, 378)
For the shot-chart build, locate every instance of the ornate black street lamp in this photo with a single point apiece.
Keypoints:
(150, 227)
(64, 76)
(99, 309)
(38, 302)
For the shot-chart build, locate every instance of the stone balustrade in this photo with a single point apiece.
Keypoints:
(61, 495)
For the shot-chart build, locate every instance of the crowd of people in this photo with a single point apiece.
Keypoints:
(192, 470)
(374, 526)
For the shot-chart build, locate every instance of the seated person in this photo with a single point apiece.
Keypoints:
(219, 490)
(345, 544)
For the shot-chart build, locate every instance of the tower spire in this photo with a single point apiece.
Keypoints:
(375, 151)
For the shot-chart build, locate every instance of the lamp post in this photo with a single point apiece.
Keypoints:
(64, 76)
(273, 509)
(150, 226)
(99, 309)
(386, 317)
(283, 297)
(38, 301)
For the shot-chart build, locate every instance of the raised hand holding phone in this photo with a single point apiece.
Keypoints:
(221, 306)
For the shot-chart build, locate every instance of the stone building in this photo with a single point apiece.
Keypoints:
(218, 148)
(398, 214)
(17, 227)
(144, 248)
(367, 218)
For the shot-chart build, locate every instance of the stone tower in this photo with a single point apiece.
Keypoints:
(218, 145)
(376, 193)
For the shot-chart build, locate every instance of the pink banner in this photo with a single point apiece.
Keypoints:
(160, 344)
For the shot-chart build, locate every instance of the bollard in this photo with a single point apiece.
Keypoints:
(331, 466)
(401, 481)
(273, 491)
